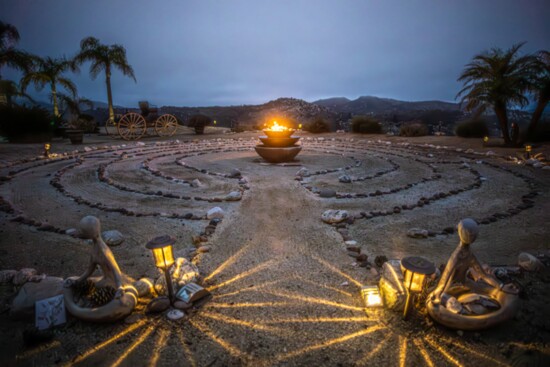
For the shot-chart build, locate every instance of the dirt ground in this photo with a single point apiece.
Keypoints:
(284, 290)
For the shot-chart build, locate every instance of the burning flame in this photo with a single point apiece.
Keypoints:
(276, 127)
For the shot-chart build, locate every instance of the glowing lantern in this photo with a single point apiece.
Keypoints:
(485, 139)
(300, 126)
(371, 296)
(47, 147)
(164, 258)
(415, 271)
(528, 149)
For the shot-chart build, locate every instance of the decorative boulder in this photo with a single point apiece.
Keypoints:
(113, 238)
(183, 272)
(23, 304)
(391, 286)
(334, 216)
(215, 212)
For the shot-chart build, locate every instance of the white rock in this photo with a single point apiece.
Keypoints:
(303, 172)
(174, 315)
(351, 243)
(233, 196)
(196, 183)
(334, 216)
(72, 232)
(87, 149)
(344, 179)
(546, 168)
(529, 262)
(215, 212)
(113, 237)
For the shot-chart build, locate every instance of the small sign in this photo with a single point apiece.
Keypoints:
(191, 292)
(50, 312)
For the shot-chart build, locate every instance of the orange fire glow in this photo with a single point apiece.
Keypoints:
(276, 127)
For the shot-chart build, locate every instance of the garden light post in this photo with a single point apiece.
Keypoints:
(164, 258)
(415, 270)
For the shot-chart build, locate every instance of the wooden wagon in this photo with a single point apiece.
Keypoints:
(132, 126)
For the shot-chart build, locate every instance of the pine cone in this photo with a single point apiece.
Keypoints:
(84, 288)
(102, 296)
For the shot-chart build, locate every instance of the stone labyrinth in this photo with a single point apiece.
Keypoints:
(285, 285)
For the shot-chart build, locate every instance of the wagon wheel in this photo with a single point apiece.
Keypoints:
(131, 126)
(166, 125)
(110, 126)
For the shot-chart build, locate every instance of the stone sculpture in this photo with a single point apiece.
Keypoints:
(118, 299)
(467, 297)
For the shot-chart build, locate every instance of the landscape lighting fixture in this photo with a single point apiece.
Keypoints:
(371, 296)
(47, 147)
(164, 258)
(415, 271)
(528, 149)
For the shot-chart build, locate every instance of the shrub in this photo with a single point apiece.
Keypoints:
(474, 128)
(414, 128)
(366, 125)
(318, 125)
(199, 122)
(25, 124)
(85, 122)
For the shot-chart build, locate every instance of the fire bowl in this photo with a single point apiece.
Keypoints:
(277, 154)
(279, 142)
(278, 134)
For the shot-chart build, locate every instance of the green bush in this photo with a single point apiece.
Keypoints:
(411, 129)
(366, 125)
(475, 128)
(19, 123)
(199, 122)
(318, 125)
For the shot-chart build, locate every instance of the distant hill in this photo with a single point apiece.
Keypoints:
(376, 105)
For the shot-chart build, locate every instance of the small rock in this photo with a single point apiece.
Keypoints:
(175, 315)
(344, 179)
(113, 238)
(144, 287)
(362, 258)
(417, 233)
(215, 212)
(133, 318)
(196, 183)
(344, 284)
(182, 305)
(23, 276)
(327, 193)
(235, 173)
(159, 304)
(334, 216)
(380, 260)
(303, 172)
(72, 232)
(203, 249)
(233, 196)
(528, 262)
(460, 332)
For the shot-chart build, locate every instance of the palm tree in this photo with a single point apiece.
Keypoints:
(541, 89)
(104, 58)
(9, 55)
(497, 79)
(49, 71)
(8, 90)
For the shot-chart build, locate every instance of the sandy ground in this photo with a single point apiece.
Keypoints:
(285, 292)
